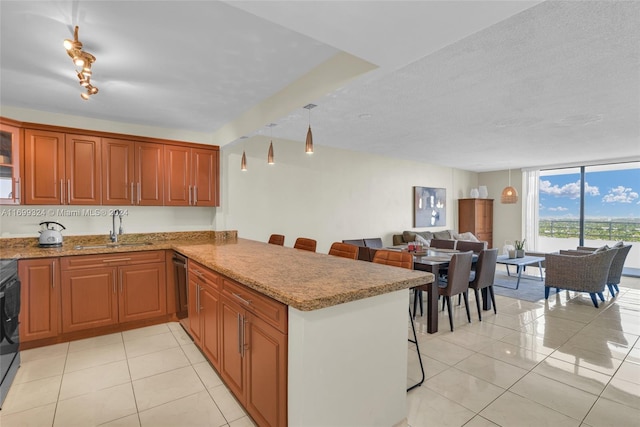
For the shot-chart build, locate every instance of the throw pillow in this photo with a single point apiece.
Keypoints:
(422, 240)
(601, 249)
(442, 235)
(408, 236)
(469, 236)
(427, 235)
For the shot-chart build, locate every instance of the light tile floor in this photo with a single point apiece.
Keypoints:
(561, 362)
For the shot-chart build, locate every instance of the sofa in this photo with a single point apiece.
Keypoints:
(412, 236)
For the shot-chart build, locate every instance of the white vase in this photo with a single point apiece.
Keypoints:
(474, 193)
(484, 193)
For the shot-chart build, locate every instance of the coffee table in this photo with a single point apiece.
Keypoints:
(520, 264)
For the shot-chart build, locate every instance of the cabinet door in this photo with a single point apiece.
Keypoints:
(9, 165)
(266, 369)
(149, 170)
(193, 296)
(83, 170)
(44, 168)
(118, 179)
(143, 291)
(210, 313)
(231, 358)
(89, 298)
(205, 177)
(178, 187)
(40, 298)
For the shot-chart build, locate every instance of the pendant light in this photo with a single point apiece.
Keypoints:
(243, 162)
(509, 194)
(308, 148)
(270, 159)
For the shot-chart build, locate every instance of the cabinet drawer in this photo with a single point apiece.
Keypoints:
(116, 259)
(269, 310)
(201, 273)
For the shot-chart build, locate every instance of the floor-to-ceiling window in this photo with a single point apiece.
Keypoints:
(590, 206)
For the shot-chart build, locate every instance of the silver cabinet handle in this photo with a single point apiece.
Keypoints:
(189, 195)
(195, 195)
(114, 283)
(62, 192)
(197, 273)
(239, 333)
(198, 289)
(132, 192)
(139, 191)
(244, 321)
(116, 260)
(120, 281)
(53, 274)
(244, 301)
(16, 190)
(68, 191)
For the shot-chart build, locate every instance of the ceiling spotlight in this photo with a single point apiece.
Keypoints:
(81, 59)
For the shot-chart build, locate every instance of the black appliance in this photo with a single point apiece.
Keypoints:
(9, 310)
(180, 277)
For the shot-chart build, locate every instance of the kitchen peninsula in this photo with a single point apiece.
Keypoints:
(335, 316)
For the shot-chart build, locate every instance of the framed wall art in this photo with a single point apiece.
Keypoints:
(429, 207)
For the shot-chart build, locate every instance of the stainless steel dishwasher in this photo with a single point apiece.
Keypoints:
(180, 277)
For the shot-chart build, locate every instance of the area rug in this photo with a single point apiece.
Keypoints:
(530, 289)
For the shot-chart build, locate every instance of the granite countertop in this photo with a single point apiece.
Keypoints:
(301, 279)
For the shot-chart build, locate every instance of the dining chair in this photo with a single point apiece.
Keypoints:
(344, 250)
(467, 245)
(483, 277)
(276, 239)
(403, 260)
(363, 251)
(443, 244)
(456, 282)
(305, 244)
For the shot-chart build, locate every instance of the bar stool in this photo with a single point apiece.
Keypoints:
(276, 239)
(305, 244)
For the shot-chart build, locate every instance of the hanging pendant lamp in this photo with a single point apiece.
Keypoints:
(509, 194)
(270, 158)
(243, 162)
(308, 148)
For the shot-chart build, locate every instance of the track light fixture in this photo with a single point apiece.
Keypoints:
(308, 148)
(82, 60)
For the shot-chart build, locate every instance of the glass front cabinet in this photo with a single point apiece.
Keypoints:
(9, 164)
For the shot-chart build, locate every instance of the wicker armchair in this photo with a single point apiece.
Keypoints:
(586, 273)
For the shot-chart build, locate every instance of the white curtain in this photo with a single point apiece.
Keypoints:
(530, 205)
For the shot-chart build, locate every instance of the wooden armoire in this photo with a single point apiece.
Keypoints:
(476, 216)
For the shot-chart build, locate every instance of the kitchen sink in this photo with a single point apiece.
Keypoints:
(112, 245)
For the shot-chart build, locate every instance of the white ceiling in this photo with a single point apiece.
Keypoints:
(478, 85)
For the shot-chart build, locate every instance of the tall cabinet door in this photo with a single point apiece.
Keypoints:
(82, 170)
(231, 359)
(118, 178)
(205, 165)
(149, 174)
(9, 164)
(40, 295)
(178, 188)
(44, 167)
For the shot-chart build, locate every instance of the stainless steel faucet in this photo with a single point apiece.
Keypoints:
(112, 234)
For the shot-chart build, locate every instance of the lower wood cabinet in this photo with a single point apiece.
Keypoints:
(40, 298)
(204, 310)
(103, 290)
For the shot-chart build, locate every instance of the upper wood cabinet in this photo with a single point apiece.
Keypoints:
(132, 172)
(61, 169)
(10, 138)
(192, 176)
(476, 216)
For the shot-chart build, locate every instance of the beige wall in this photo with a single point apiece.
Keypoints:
(329, 196)
(507, 219)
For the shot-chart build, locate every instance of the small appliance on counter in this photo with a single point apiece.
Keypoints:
(49, 236)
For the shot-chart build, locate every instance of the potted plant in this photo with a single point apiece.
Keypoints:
(520, 248)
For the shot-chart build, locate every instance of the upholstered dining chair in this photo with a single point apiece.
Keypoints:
(404, 260)
(456, 282)
(276, 239)
(483, 277)
(344, 250)
(466, 245)
(443, 244)
(305, 244)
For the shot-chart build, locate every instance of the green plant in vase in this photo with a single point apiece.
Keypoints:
(520, 248)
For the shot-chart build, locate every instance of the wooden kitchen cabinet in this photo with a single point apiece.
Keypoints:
(133, 172)
(476, 216)
(192, 176)
(10, 142)
(204, 310)
(102, 290)
(254, 352)
(40, 298)
(61, 169)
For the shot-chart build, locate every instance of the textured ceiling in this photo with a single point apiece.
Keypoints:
(476, 85)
